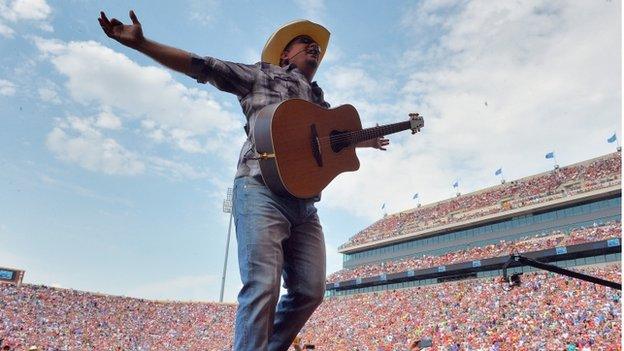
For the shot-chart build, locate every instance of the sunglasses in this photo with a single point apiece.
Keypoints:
(304, 40)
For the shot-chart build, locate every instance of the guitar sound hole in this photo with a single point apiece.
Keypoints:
(339, 140)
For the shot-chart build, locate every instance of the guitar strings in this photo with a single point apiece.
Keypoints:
(348, 136)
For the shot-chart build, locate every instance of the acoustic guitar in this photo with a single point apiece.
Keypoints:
(302, 147)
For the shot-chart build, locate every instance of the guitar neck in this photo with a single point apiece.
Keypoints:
(376, 132)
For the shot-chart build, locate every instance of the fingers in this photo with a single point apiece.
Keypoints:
(116, 22)
(105, 24)
(134, 18)
(383, 142)
(103, 17)
(105, 28)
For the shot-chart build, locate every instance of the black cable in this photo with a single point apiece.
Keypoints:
(514, 280)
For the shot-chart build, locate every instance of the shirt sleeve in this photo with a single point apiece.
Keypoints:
(231, 77)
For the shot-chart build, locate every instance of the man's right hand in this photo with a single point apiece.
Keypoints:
(128, 35)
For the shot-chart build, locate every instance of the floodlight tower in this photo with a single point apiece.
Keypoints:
(227, 208)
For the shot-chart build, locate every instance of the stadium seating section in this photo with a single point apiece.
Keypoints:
(538, 242)
(579, 178)
(546, 312)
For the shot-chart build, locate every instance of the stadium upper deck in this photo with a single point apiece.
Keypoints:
(611, 230)
(596, 180)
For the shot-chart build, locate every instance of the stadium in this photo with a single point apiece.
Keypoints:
(428, 276)
(212, 175)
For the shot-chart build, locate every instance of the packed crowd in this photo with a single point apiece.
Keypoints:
(535, 243)
(61, 319)
(546, 312)
(566, 181)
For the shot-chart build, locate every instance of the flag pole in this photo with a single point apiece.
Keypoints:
(555, 160)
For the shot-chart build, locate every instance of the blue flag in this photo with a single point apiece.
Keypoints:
(456, 184)
(415, 196)
(550, 155)
(612, 138)
(498, 171)
(383, 206)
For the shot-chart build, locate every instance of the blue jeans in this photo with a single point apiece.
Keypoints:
(277, 236)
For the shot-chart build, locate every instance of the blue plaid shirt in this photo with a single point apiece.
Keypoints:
(256, 86)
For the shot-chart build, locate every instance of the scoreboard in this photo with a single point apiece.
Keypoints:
(11, 276)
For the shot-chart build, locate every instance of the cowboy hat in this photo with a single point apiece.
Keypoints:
(277, 42)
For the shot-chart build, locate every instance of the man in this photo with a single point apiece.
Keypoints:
(277, 236)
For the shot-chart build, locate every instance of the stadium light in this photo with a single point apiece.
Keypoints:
(227, 208)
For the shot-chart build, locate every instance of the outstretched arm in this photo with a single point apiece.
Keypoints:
(231, 77)
(132, 37)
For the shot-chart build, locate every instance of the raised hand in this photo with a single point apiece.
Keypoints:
(128, 35)
(380, 142)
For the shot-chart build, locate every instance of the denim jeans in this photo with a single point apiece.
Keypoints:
(277, 236)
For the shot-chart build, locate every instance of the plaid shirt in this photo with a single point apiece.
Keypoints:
(256, 86)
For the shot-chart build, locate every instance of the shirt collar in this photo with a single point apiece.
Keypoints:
(293, 68)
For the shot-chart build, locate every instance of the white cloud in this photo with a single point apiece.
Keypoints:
(334, 53)
(48, 92)
(176, 170)
(352, 81)
(77, 140)
(548, 71)
(6, 31)
(166, 112)
(49, 95)
(46, 27)
(107, 120)
(185, 115)
(368, 93)
(7, 88)
(83, 141)
(24, 10)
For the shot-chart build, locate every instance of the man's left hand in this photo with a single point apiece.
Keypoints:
(380, 142)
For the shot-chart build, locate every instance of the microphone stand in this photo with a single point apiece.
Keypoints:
(514, 279)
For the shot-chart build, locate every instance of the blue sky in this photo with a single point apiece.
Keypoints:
(114, 168)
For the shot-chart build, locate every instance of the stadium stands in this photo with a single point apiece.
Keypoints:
(538, 242)
(582, 177)
(546, 313)
(63, 319)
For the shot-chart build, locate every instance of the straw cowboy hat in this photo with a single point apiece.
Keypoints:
(277, 42)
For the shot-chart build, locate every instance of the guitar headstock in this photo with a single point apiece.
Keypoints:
(416, 122)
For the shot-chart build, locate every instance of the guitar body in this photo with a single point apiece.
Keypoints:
(295, 161)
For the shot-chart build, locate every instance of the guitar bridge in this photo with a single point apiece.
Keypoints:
(316, 146)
